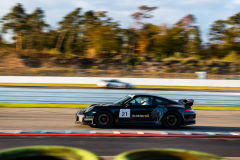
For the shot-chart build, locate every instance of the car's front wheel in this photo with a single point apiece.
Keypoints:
(171, 120)
(104, 119)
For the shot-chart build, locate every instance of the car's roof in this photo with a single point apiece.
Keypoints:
(142, 94)
(111, 80)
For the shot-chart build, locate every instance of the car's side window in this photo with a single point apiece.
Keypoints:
(159, 101)
(142, 101)
(114, 80)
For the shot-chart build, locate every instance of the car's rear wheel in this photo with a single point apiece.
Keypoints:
(104, 119)
(171, 120)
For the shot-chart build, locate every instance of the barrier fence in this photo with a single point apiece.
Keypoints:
(134, 81)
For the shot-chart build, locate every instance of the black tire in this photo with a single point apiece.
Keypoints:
(103, 119)
(171, 120)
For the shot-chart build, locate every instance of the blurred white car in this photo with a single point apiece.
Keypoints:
(114, 83)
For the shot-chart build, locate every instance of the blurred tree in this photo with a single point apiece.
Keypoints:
(138, 17)
(194, 42)
(89, 23)
(146, 37)
(168, 41)
(70, 24)
(36, 25)
(51, 39)
(16, 21)
(101, 35)
(128, 36)
(189, 34)
(187, 22)
(143, 13)
(225, 34)
(1, 40)
(234, 31)
(218, 31)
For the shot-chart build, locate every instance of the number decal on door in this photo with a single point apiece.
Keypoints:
(124, 113)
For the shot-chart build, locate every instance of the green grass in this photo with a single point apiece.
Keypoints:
(137, 86)
(43, 105)
(188, 87)
(48, 84)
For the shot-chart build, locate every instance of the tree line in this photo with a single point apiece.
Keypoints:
(95, 34)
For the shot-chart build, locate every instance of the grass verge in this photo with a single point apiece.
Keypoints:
(188, 87)
(43, 105)
(137, 86)
(48, 84)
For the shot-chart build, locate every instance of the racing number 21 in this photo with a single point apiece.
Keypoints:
(124, 113)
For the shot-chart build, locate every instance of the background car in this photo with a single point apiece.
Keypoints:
(114, 83)
(140, 109)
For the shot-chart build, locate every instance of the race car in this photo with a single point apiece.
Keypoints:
(114, 83)
(139, 109)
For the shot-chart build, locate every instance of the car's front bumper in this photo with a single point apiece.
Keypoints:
(84, 120)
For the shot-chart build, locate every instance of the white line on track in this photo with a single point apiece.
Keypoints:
(116, 132)
(187, 133)
(210, 133)
(93, 132)
(140, 132)
(43, 131)
(164, 133)
(68, 131)
(10, 131)
(234, 133)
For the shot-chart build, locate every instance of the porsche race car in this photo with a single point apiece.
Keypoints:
(142, 109)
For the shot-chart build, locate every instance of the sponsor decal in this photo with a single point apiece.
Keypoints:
(158, 113)
(140, 115)
(124, 113)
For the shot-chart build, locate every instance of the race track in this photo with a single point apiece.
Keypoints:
(93, 96)
(109, 146)
(63, 119)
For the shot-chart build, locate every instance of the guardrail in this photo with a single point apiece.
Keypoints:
(134, 81)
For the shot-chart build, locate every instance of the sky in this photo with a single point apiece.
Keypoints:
(168, 12)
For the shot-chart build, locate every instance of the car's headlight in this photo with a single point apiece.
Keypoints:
(89, 109)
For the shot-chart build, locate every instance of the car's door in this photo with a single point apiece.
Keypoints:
(114, 83)
(159, 109)
(141, 109)
(124, 115)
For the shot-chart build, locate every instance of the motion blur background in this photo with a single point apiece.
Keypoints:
(158, 40)
(81, 42)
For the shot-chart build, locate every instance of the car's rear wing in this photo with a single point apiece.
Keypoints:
(187, 102)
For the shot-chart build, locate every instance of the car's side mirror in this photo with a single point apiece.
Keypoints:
(128, 104)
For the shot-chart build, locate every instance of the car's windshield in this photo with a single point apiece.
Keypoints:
(122, 100)
(114, 80)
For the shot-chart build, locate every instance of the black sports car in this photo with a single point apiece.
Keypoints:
(139, 109)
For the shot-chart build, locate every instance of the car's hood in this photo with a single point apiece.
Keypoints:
(106, 104)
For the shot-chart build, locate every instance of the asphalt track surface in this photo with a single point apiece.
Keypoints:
(90, 96)
(63, 118)
(60, 118)
(107, 146)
